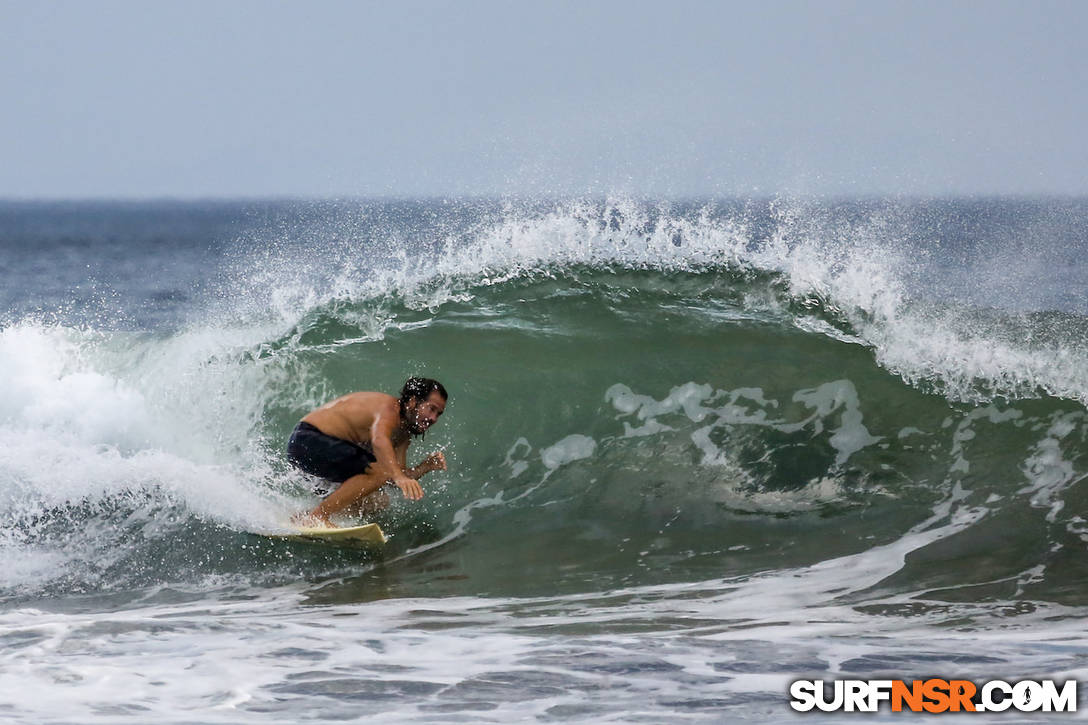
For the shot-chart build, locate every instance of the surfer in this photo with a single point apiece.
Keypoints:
(359, 442)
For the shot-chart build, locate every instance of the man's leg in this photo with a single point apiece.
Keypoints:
(351, 491)
(368, 506)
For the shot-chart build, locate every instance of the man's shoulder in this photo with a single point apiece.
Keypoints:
(371, 397)
(370, 404)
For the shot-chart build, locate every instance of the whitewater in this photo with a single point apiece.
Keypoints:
(697, 451)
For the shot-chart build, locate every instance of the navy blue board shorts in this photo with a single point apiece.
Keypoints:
(328, 457)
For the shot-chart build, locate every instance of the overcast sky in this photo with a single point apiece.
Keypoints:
(332, 99)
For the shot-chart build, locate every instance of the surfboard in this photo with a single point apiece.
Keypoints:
(360, 536)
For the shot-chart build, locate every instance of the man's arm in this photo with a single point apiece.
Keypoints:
(434, 462)
(391, 465)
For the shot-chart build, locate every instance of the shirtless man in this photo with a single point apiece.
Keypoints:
(359, 442)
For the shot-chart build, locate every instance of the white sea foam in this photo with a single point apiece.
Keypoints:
(574, 447)
(748, 408)
(703, 651)
(90, 423)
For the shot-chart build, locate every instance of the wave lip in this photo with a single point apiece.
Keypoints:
(862, 278)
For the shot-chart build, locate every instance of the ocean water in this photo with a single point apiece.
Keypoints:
(697, 451)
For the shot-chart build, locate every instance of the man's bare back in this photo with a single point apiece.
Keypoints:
(352, 416)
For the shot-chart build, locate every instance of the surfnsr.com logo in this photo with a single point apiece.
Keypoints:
(934, 695)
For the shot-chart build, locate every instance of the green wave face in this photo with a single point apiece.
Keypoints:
(615, 427)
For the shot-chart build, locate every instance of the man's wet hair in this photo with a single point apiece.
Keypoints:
(420, 389)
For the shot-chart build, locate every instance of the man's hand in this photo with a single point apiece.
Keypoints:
(435, 462)
(409, 487)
